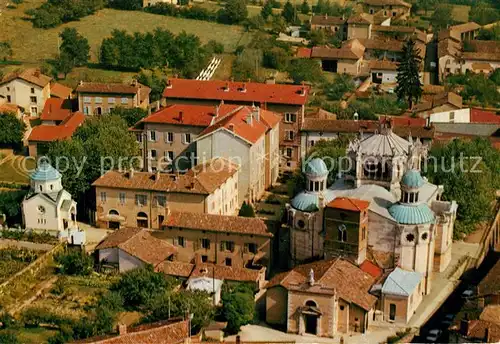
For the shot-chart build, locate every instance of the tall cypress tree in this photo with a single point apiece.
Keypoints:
(409, 87)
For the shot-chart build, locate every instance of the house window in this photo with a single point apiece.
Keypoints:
(452, 116)
(152, 135)
(169, 137)
(86, 110)
(187, 138)
(288, 152)
(86, 99)
(205, 243)
(371, 10)
(229, 262)
(161, 201)
(138, 137)
(98, 100)
(227, 246)
(99, 110)
(204, 259)
(32, 90)
(251, 247)
(169, 155)
(111, 100)
(289, 135)
(152, 153)
(290, 117)
(103, 197)
(122, 197)
(124, 100)
(8, 89)
(33, 99)
(8, 99)
(141, 200)
(342, 233)
(392, 311)
(181, 241)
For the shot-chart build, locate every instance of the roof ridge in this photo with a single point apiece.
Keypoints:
(400, 287)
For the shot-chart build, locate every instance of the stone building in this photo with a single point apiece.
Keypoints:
(323, 298)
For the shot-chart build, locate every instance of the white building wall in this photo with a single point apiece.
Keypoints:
(34, 219)
(20, 93)
(224, 200)
(455, 116)
(127, 262)
(109, 254)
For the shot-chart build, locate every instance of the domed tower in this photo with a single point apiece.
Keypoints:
(415, 223)
(305, 213)
(46, 179)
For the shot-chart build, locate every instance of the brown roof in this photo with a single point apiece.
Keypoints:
(330, 276)
(482, 66)
(31, 75)
(386, 2)
(490, 284)
(217, 223)
(361, 18)
(211, 175)
(491, 313)
(382, 44)
(139, 243)
(466, 27)
(449, 47)
(383, 65)
(113, 88)
(327, 20)
(175, 268)
(477, 331)
(9, 107)
(163, 332)
(60, 91)
(352, 50)
(481, 56)
(416, 33)
(450, 98)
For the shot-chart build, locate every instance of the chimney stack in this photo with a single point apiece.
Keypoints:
(122, 329)
(157, 175)
(181, 116)
(169, 83)
(226, 87)
(249, 118)
(37, 73)
(134, 82)
(238, 339)
(311, 277)
(131, 173)
(256, 113)
(231, 127)
(244, 87)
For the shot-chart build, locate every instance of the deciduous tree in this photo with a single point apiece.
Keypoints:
(441, 17)
(12, 130)
(305, 70)
(75, 46)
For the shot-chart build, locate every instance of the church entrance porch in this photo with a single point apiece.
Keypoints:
(309, 319)
(311, 322)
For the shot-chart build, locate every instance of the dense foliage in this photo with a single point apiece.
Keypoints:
(483, 13)
(10, 205)
(477, 89)
(246, 210)
(160, 48)
(75, 262)
(234, 12)
(75, 46)
(246, 65)
(305, 70)
(341, 84)
(238, 307)
(462, 166)
(5, 51)
(332, 9)
(130, 115)
(55, 12)
(442, 17)
(409, 87)
(156, 80)
(12, 131)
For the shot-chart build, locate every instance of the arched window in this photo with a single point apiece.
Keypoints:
(342, 233)
(311, 303)
(114, 212)
(142, 220)
(40, 188)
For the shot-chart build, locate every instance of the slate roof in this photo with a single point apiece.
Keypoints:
(236, 91)
(401, 282)
(217, 223)
(139, 243)
(337, 275)
(210, 176)
(31, 75)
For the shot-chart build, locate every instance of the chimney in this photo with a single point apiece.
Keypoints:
(122, 329)
(311, 277)
(181, 116)
(134, 82)
(169, 83)
(80, 83)
(356, 116)
(37, 73)
(464, 325)
(326, 16)
(256, 113)
(303, 91)
(157, 175)
(131, 173)
(238, 339)
(226, 87)
(243, 87)
(231, 127)
(249, 118)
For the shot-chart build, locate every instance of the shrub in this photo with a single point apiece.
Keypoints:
(238, 307)
(8, 337)
(36, 315)
(246, 210)
(75, 263)
(276, 58)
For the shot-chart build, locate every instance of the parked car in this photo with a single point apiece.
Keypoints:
(433, 335)
(468, 293)
(448, 320)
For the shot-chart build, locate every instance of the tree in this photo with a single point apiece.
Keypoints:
(154, 79)
(246, 65)
(139, 286)
(130, 115)
(13, 129)
(341, 84)
(289, 12)
(267, 10)
(492, 34)
(238, 308)
(10, 205)
(235, 11)
(305, 70)
(278, 24)
(305, 8)
(62, 65)
(426, 5)
(5, 51)
(130, 5)
(317, 37)
(246, 210)
(276, 58)
(255, 22)
(75, 263)
(482, 13)
(442, 17)
(409, 86)
(9, 337)
(74, 46)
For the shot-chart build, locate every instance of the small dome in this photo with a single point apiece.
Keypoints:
(45, 172)
(411, 214)
(309, 202)
(316, 168)
(412, 179)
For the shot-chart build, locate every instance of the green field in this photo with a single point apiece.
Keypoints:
(460, 13)
(31, 45)
(16, 169)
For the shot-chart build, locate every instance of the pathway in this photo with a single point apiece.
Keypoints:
(40, 289)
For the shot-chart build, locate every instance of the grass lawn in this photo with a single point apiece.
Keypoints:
(31, 45)
(16, 169)
(460, 13)
(34, 335)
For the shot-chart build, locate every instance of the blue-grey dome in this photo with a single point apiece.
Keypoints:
(316, 168)
(412, 179)
(309, 202)
(45, 172)
(411, 214)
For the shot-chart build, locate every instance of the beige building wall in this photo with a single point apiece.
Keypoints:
(27, 95)
(359, 31)
(351, 67)
(90, 103)
(127, 262)
(306, 242)
(405, 306)
(325, 303)
(276, 306)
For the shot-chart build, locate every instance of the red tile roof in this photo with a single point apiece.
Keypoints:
(304, 52)
(330, 277)
(60, 91)
(139, 243)
(162, 332)
(371, 269)
(217, 223)
(56, 109)
(351, 204)
(63, 131)
(183, 114)
(484, 116)
(232, 91)
(244, 122)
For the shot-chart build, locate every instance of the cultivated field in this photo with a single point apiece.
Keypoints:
(31, 45)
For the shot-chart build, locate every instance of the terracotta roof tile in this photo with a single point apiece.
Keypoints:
(490, 284)
(351, 204)
(337, 275)
(386, 2)
(9, 107)
(304, 52)
(371, 268)
(361, 18)
(477, 331)
(217, 223)
(60, 91)
(484, 116)
(466, 27)
(236, 91)
(491, 313)
(383, 65)
(56, 109)
(204, 182)
(352, 50)
(175, 268)
(326, 20)
(63, 131)
(111, 88)
(30, 75)
(439, 100)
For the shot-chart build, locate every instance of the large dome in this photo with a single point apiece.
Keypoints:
(383, 144)
(45, 172)
(412, 179)
(309, 202)
(411, 214)
(316, 168)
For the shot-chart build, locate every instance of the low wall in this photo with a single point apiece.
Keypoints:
(5, 243)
